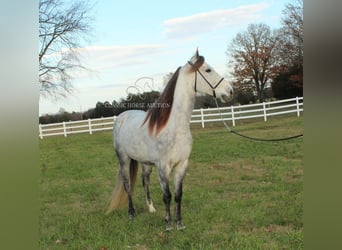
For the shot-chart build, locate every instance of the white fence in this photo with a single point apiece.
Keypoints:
(202, 116)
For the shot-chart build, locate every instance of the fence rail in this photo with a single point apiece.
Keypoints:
(202, 116)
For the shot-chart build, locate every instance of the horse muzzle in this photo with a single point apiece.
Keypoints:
(227, 97)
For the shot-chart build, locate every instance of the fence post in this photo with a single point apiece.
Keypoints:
(233, 117)
(264, 109)
(89, 123)
(40, 131)
(64, 130)
(297, 102)
(202, 118)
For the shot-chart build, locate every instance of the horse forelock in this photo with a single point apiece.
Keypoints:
(196, 65)
(159, 113)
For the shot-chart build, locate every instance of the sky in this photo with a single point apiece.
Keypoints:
(134, 44)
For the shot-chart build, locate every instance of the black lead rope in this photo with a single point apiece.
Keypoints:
(260, 139)
(253, 138)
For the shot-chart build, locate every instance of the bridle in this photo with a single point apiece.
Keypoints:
(211, 86)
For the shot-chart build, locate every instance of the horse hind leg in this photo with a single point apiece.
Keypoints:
(128, 173)
(145, 175)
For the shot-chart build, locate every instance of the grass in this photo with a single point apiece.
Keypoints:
(238, 194)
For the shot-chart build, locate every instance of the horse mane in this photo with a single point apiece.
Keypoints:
(159, 112)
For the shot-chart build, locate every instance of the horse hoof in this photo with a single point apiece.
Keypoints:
(151, 208)
(131, 217)
(180, 226)
(168, 228)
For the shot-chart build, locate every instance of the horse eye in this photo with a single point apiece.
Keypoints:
(208, 70)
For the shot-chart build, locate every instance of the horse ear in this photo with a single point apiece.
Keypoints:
(196, 61)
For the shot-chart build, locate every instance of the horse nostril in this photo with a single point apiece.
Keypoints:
(231, 92)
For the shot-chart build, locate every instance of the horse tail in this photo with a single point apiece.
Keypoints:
(119, 195)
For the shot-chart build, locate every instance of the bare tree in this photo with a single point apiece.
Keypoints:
(289, 83)
(293, 44)
(62, 29)
(293, 20)
(254, 58)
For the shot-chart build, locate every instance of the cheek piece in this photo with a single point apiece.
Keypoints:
(211, 86)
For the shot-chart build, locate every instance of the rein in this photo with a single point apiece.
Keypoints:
(252, 138)
(224, 123)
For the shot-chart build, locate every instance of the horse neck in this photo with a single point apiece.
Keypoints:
(183, 103)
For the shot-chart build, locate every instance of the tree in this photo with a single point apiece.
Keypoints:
(61, 31)
(292, 21)
(244, 94)
(99, 109)
(254, 59)
(288, 84)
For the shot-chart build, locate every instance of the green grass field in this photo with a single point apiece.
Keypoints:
(238, 194)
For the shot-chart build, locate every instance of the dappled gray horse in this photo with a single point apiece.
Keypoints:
(161, 136)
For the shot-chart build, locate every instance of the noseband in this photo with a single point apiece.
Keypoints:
(211, 86)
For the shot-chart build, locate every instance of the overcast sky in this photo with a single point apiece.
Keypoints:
(134, 39)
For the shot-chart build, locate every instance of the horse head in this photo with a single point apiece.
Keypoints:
(208, 81)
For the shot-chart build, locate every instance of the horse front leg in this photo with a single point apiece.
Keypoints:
(180, 171)
(164, 174)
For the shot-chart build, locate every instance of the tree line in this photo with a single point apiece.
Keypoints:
(107, 109)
